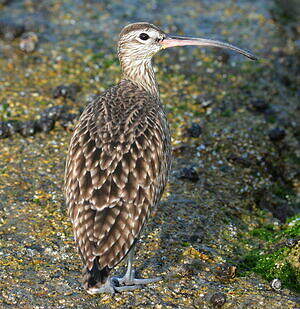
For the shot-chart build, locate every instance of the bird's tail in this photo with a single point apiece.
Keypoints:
(95, 276)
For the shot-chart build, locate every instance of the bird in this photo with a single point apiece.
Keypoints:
(119, 159)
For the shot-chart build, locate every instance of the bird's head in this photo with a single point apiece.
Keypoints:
(140, 41)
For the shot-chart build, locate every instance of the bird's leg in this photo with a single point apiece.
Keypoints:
(129, 275)
(126, 283)
(129, 280)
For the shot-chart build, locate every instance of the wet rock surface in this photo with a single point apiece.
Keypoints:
(45, 122)
(229, 239)
(10, 30)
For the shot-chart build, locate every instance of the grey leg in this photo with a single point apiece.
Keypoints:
(126, 283)
(129, 275)
(129, 280)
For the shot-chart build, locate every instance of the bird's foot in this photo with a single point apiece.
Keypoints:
(107, 287)
(129, 281)
(117, 285)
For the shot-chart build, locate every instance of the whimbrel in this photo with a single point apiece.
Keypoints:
(119, 159)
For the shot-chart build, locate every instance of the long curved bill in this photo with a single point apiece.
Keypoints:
(171, 41)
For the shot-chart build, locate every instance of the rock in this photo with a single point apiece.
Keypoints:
(218, 299)
(66, 91)
(45, 124)
(4, 130)
(279, 207)
(61, 91)
(5, 2)
(28, 128)
(67, 120)
(194, 131)
(13, 126)
(189, 173)
(225, 271)
(28, 42)
(277, 134)
(259, 105)
(54, 112)
(239, 160)
(10, 30)
(223, 56)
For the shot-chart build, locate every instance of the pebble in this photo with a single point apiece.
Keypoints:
(45, 124)
(66, 91)
(189, 173)
(239, 160)
(28, 42)
(194, 131)
(54, 112)
(259, 105)
(218, 299)
(223, 56)
(9, 128)
(276, 284)
(277, 134)
(28, 128)
(4, 130)
(13, 126)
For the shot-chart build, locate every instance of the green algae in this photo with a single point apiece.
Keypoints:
(273, 261)
(272, 266)
(265, 233)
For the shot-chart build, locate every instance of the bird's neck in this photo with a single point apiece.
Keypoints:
(140, 72)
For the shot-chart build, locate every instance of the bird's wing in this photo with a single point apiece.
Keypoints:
(116, 171)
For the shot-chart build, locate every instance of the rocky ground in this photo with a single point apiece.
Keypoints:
(227, 232)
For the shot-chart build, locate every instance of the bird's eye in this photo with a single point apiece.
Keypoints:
(144, 36)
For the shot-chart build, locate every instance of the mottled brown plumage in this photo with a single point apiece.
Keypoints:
(116, 171)
(119, 159)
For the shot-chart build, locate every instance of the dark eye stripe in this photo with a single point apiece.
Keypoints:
(144, 36)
